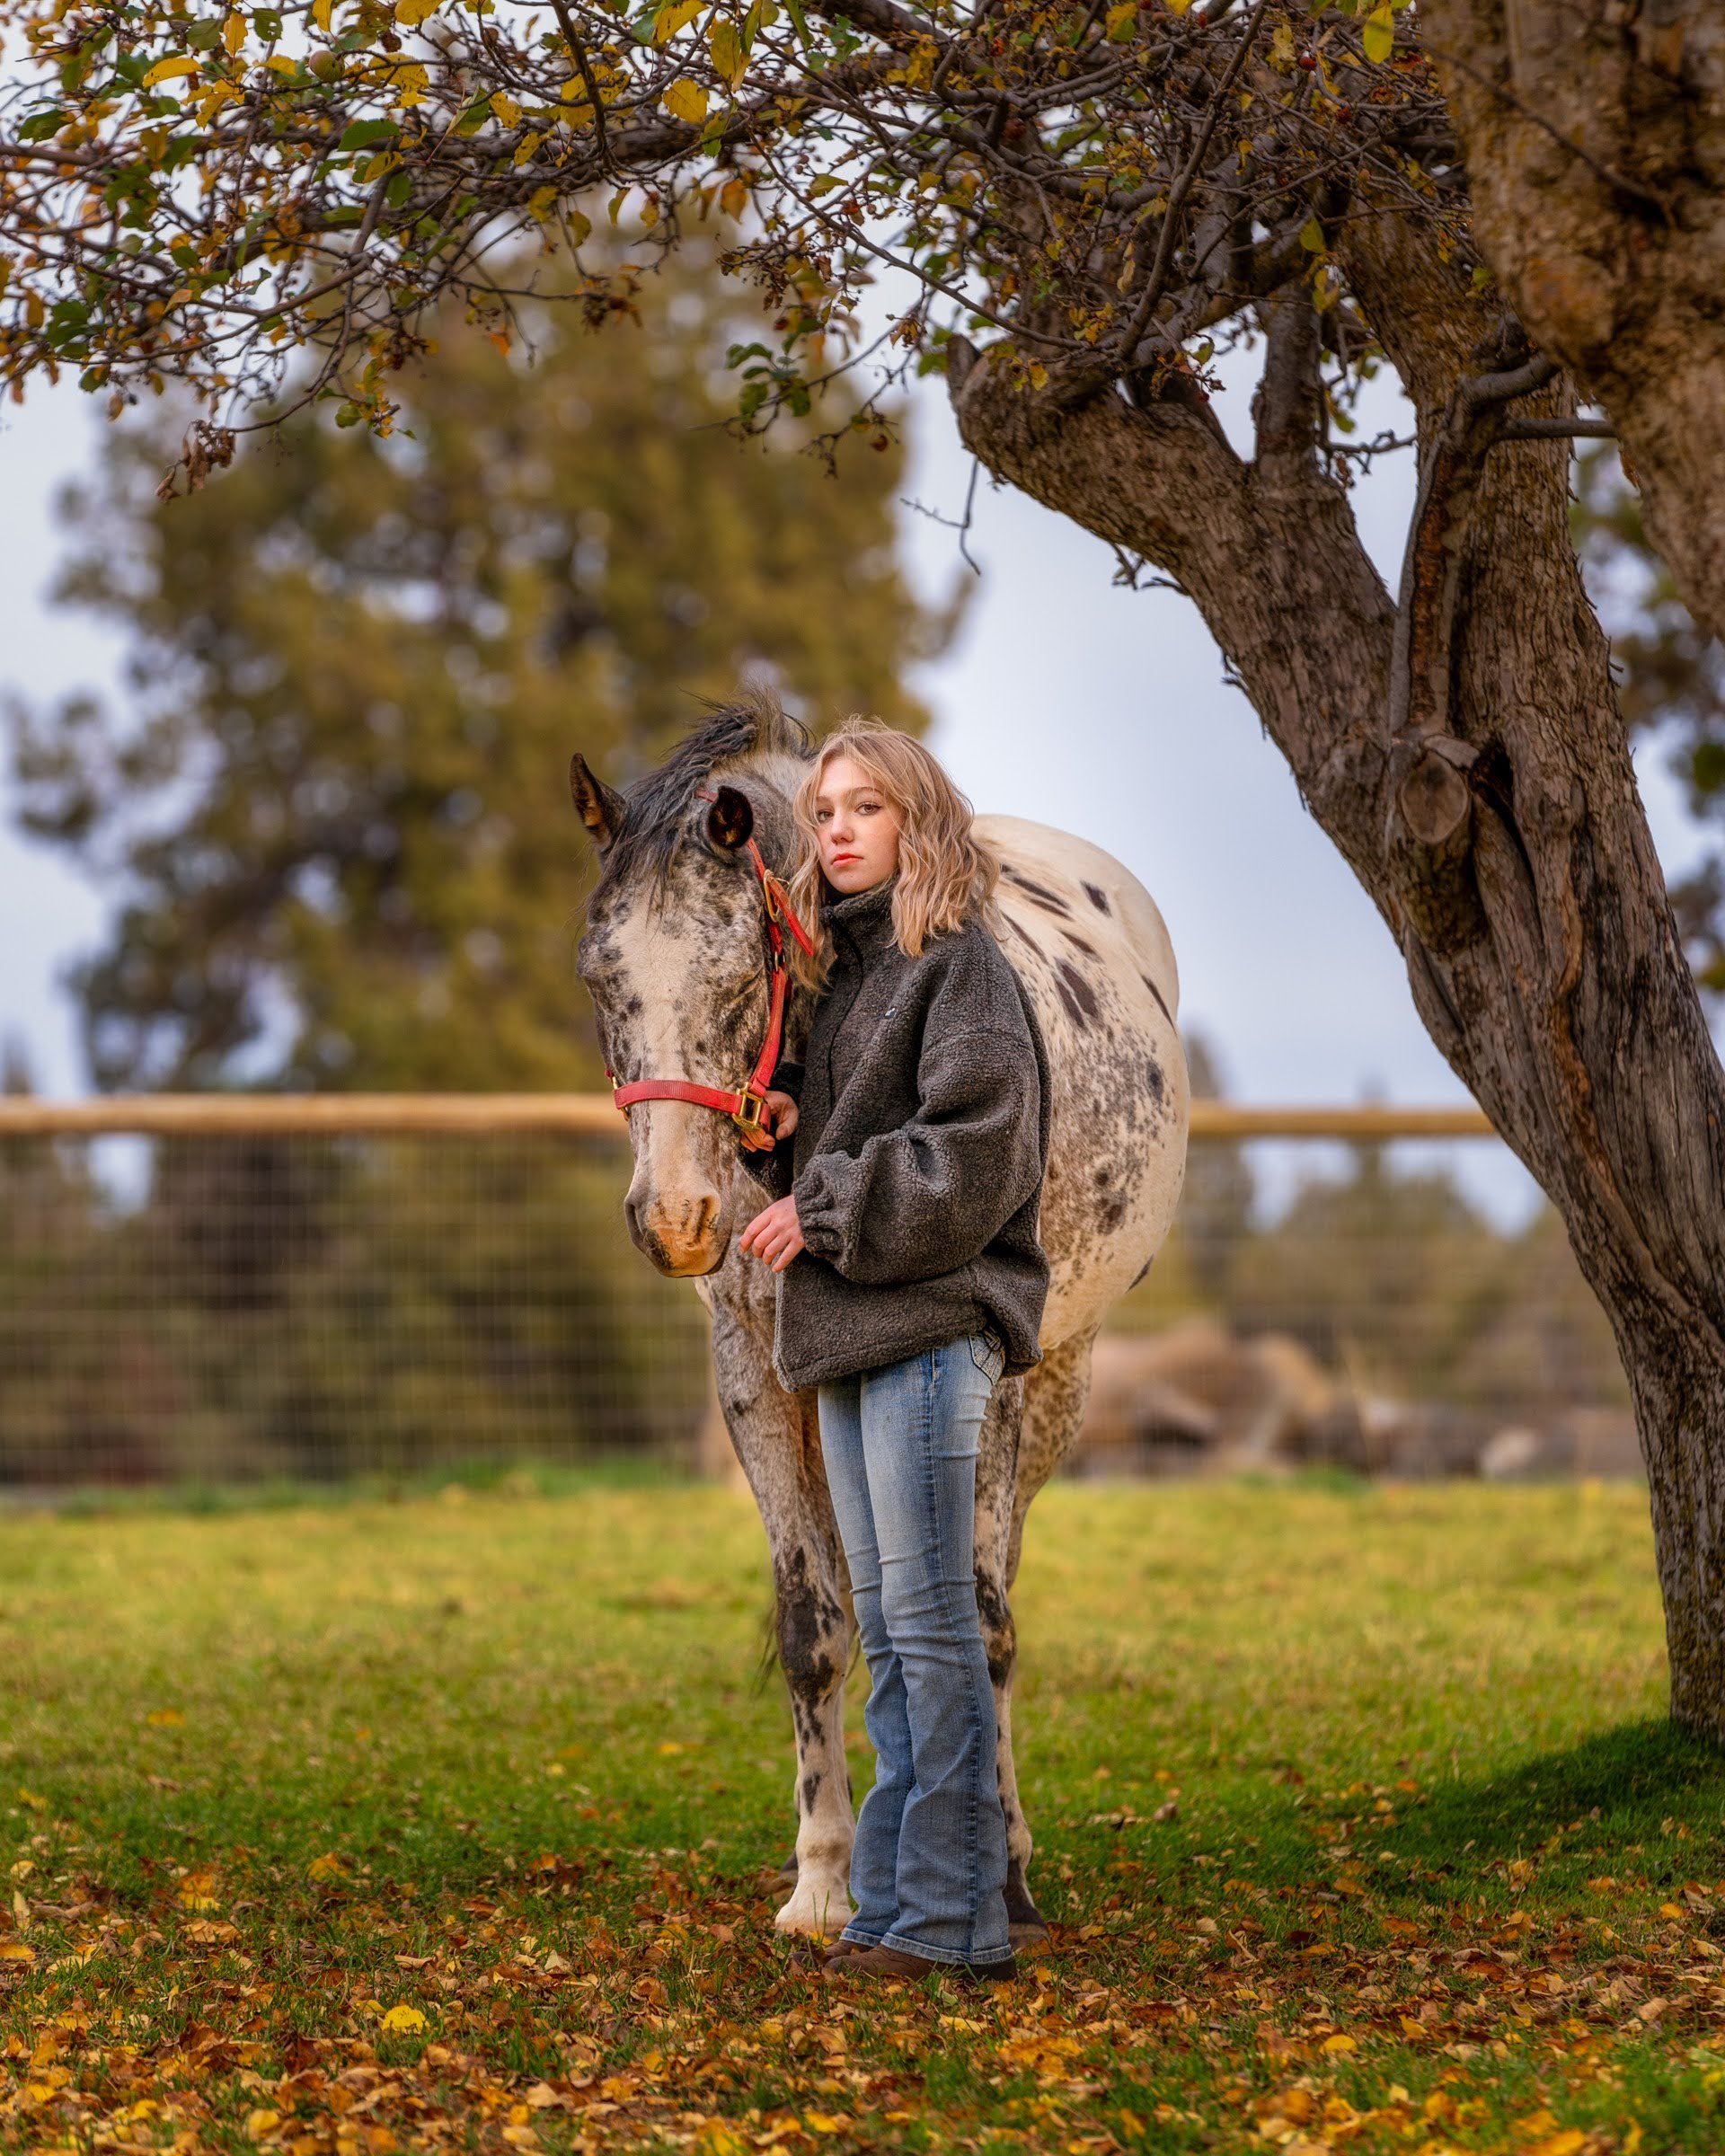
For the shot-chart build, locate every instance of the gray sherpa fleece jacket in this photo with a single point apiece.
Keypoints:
(921, 1143)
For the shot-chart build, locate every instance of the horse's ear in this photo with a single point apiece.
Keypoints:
(730, 819)
(599, 806)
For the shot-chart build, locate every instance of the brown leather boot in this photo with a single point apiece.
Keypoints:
(810, 1951)
(887, 1961)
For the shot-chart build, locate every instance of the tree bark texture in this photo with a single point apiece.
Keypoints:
(1523, 886)
(1595, 139)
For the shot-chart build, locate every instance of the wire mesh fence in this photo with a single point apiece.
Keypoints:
(237, 1293)
(237, 1308)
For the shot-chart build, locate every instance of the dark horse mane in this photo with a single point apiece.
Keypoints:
(754, 725)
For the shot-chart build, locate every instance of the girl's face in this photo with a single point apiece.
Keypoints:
(857, 828)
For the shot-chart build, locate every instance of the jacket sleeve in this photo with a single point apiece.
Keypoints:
(927, 1198)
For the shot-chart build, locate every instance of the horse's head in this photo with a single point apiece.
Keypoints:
(674, 956)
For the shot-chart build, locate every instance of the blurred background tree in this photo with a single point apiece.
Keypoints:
(332, 819)
(335, 821)
(1670, 682)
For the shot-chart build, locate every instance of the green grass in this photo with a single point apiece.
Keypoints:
(505, 1759)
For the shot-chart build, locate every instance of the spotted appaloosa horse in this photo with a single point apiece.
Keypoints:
(674, 955)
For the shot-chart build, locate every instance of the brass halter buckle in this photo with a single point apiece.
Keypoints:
(751, 1115)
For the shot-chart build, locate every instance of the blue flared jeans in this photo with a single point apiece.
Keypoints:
(928, 1869)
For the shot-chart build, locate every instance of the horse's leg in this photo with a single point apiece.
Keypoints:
(996, 1477)
(1040, 1417)
(777, 1439)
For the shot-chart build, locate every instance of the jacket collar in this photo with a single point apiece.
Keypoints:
(865, 917)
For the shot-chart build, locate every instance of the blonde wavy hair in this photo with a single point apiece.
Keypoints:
(947, 875)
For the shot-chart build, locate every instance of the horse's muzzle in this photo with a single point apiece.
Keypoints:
(682, 1240)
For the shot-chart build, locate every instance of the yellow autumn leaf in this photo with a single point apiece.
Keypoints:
(685, 99)
(327, 1867)
(504, 108)
(1339, 2043)
(678, 16)
(13, 1949)
(730, 60)
(1038, 376)
(1120, 20)
(322, 10)
(233, 32)
(1566, 2144)
(261, 2123)
(403, 2017)
(165, 71)
(528, 148)
(165, 1717)
(410, 13)
(1378, 37)
(733, 198)
(823, 2122)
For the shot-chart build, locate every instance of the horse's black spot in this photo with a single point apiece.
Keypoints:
(1142, 1270)
(1114, 1211)
(811, 1790)
(1081, 991)
(999, 1636)
(1156, 992)
(1024, 935)
(807, 1621)
(1099, 900)
(1078, 943)
(1039, 892)
(1153, 1081)
(1069, 1000)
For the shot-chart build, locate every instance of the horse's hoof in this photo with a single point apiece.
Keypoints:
(1024, 1920)
(817, 1911)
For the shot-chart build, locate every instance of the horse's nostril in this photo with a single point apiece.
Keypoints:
(705, 1213)
(631, 1213)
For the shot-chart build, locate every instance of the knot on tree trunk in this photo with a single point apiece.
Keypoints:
(1429, 773)
(1431, 840)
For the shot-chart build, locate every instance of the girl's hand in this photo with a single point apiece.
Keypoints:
(775, 1236)
(784, 1121)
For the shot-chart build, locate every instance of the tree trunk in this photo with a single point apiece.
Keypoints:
(1532, 912)
(1595, 141)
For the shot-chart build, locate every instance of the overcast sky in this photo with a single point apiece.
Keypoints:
(1066, 698)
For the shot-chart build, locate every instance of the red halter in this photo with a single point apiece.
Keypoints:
(745, 1109)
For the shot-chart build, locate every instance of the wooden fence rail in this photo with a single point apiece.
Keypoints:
(584, 1115)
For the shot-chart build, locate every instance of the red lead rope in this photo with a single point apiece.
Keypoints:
(747, 1107)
